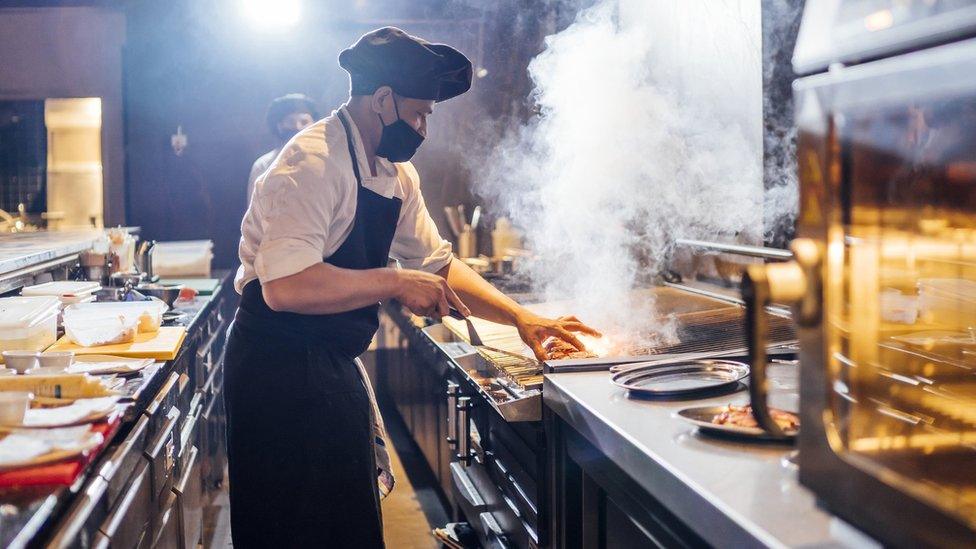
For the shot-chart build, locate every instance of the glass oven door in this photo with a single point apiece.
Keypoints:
(888, 176)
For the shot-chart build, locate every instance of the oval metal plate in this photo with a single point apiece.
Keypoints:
(692, 377)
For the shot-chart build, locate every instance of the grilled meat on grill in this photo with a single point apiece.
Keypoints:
(557, 349)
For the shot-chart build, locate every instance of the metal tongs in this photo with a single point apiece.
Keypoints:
(473, 336)
(475, 340)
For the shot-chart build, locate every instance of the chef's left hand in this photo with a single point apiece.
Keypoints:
(534, 329)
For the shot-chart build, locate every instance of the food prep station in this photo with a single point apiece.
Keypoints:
(151, 482)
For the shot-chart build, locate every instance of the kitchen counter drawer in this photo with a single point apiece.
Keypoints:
(80, 524)
(118, 467)
(189, 501)
(161, 454)
(128, 522)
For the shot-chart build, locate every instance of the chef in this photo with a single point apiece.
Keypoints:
(286, 116)
(337, 203)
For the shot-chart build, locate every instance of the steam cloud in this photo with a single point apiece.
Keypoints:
(618, 164)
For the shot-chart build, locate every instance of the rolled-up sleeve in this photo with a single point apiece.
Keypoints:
(298, 210)
(417, 244)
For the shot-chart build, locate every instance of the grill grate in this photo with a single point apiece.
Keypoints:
(717, 330)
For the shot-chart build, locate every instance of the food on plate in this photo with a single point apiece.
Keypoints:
(741, 416)
(557, 349)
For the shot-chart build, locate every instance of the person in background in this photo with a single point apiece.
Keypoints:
(287, 115)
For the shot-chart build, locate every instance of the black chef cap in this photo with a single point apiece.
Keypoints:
(411, 66)
(288, 104)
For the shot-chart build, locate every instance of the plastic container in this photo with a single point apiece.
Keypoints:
(62, 288)
(90, 332)
(504, 238)
(147, 314)
(189, 258)
(13, 406)
(28, 323)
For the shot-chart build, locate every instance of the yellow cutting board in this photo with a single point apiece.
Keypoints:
(161, 345)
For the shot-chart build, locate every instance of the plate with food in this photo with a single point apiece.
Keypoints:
(685, 378)
(737, 421)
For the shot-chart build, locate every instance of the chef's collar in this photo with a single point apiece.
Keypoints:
(385, 181)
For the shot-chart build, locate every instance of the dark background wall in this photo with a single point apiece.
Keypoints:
(74, 51)
(199, 66)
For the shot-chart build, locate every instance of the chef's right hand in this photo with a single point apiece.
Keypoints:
(427, 294)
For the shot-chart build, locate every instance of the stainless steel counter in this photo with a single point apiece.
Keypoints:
(733, 494)
(22, 250)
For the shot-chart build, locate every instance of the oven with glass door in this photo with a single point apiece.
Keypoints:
(884, 283)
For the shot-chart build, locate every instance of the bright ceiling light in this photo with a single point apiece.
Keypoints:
(272, 14)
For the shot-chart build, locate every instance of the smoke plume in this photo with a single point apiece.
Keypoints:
(622, 159)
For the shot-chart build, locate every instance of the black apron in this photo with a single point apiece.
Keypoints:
(301, 461)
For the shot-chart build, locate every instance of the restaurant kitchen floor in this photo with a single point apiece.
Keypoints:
(411, 511)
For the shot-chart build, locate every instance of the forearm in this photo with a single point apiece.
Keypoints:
(484, 300)
(327, 289)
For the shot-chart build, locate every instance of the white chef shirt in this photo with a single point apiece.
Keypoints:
(304, 206)
(260, 166)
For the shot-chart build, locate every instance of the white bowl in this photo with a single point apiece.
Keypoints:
(13, 407)
(57, 359)
(21, 361)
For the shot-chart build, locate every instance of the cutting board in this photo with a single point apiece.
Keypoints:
(203, 286)
(161, 345)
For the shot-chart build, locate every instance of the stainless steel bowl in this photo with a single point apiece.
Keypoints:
(168, 293)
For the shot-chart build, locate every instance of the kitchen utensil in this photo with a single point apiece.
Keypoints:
(689, 377)
(473, 336)
(476, 217)
(21, 361)
(702, 417)
(160, 345)
(467, 242)
(168, 293)
(452, 220)
(56, 359)
(13, 406)
(462, 215)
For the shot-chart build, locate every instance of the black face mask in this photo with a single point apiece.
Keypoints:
(286, 135)
(399, 141)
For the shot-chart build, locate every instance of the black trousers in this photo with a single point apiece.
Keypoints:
(302, 469)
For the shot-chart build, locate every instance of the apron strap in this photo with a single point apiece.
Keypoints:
(352, 148)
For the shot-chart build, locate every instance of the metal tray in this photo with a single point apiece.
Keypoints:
(680, 379)
(702, 417)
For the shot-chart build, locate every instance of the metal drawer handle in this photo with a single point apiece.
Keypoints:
(466, 488)
(112, 463)
(160, 397)
(111, 525)
(67, 534)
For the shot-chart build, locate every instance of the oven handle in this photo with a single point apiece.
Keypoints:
(453, 390)
(796, 283)
(463, 432)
